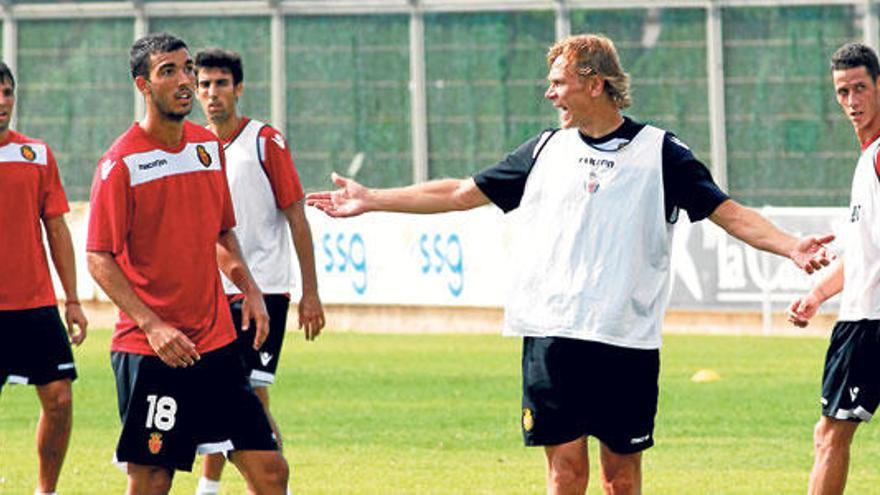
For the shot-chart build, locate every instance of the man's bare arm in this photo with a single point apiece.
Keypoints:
(436, 196)
(61, 250)
(231, 262)
(170, 344)
(749, 226)
(310, 310)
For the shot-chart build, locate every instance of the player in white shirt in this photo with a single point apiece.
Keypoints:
(851, 379)
(597, 200)
(268, 202)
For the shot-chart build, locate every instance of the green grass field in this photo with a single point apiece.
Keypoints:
(440, 414)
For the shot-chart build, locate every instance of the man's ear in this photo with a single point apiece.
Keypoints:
(238, 89)
(142, 84)
(595, 85)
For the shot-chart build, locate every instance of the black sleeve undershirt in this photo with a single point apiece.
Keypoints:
(504, 182)
(687, 183)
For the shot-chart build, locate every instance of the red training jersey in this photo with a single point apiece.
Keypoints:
(160, 212)
(30, 192)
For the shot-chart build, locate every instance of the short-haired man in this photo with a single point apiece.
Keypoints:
(599, 198)
(35, 348)
(161, 220)
(851, 379)
(268, 202)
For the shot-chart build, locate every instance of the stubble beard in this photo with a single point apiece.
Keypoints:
(219, 118)
(167, 113)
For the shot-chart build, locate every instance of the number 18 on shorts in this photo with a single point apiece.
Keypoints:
(168, 414)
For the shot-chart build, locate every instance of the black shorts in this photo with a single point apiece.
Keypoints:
(170, 414)
(575, 388)
(851, 380)
(35, 349)
(261, 365)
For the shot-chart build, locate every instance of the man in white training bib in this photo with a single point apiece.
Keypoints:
(598, 199)
(269, 210)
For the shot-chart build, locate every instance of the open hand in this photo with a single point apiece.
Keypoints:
(810, 253)
(347, 201)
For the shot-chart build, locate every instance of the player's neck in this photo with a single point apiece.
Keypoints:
(869, 133)
(4, 135)
(166, 131)
(603, 121)
(225, 129)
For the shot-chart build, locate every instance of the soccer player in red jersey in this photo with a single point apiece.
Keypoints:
(161, 220)
(35, 348)
(268, 202)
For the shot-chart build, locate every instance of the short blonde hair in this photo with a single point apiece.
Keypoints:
(595, 54)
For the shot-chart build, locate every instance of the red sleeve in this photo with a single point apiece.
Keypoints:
(877, 163)
(109, 207)
(280, 169)
(227, 221)
(54, 201)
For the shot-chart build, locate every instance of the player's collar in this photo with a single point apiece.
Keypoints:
(615, 139)
(868, 142)
(242, 123)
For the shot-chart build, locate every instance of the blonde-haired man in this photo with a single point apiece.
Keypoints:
(598, 199)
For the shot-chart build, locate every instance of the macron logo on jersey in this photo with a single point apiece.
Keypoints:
(265, 358)
(638, 440)
(24, 153)
(157, 164)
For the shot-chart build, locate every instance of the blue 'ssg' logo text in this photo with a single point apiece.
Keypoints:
(441, 255)
(347, 254)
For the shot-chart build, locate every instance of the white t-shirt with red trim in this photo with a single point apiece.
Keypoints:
(30, 192)
(860, 299)
(160, 212)
(263, 181)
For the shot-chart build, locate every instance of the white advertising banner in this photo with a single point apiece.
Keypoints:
(450, 259)
(461, 259)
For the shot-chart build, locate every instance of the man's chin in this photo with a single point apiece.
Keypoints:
(218, 118)
(177, 116)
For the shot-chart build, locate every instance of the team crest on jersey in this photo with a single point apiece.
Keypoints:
(528, 420)
(593, 183)
(155, 443)
(204, 156)
(28, 153)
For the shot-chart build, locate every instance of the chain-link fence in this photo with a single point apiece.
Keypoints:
(349, 91)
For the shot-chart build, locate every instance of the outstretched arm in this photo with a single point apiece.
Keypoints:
(61, 248)
(749, 226)
(801, 310)
(310, 310)
(232, 264)
(435, 196)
